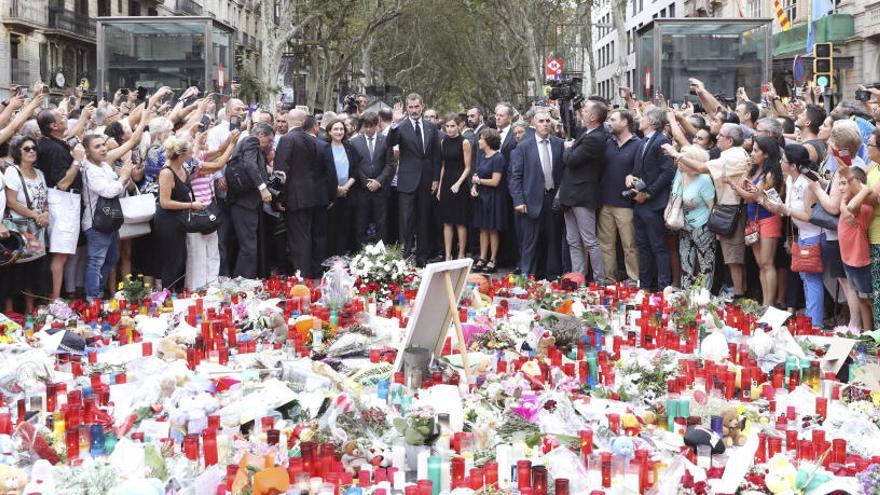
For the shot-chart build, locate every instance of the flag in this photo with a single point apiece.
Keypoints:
(781, 17)
(818, 10)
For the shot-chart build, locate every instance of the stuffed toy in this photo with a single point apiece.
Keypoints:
(41, 481)
(631, 424)
(12, 480)
(781, 476)
(624, 447)
(547, 340)
(170, 349)
(733, 426)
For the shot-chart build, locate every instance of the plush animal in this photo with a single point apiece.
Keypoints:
(278, 324)
(733, 426)
(544, 344)
(170, 349)
(631, 424)
(781, 476)
(12, 480)
(41, 482)
(624, 447)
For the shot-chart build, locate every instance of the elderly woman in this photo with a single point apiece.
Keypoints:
(696, 244)
(26, 199)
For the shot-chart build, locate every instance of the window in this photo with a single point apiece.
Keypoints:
(672, 10)
(82, 7)
(104, 8)
(119, 6)
(790, 9)
(641, 5)
(134, 8)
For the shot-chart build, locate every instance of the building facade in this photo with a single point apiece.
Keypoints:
(54, 40)
(853, 27)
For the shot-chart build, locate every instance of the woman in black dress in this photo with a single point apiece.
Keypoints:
(174, 196)
(455, 152)
(491, 205)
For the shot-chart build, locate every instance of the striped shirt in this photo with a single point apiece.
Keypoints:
(202, 184)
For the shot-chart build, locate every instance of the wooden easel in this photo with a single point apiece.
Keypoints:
(453, 309)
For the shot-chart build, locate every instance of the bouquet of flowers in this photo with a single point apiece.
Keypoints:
(379, 269)
(133, 289)
(418, 426)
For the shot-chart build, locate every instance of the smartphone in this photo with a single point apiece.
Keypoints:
(862, 95)
(72, 142)
(234, 123)
(812, 175)
(772, 195)
(44, 90)
(141, 93)
(765, 88)
(72, 102)
(204, 123)
(14, 90)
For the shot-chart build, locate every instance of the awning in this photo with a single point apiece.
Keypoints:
(834, 28)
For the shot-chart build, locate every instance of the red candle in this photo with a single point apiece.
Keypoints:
(491, 471)
(147, 348)
(524, 474)
(774, 446)
(838, 451)
(191, 447)
(821, 406)
(72, 441)
(457, 470)
(605, 458)
(209, 445)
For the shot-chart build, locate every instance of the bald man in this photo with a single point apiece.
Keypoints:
(297, 157)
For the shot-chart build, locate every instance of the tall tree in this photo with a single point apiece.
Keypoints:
(280, 22)
(618, 16)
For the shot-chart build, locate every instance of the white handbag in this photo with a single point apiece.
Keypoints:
(132, 230)
(138, 208)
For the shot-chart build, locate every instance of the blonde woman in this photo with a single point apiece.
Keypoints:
(696, 244)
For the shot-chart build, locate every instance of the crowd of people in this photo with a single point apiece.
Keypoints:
(773, 199)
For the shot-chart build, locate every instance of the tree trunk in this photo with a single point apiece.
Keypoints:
(587, 35)
(618, 14)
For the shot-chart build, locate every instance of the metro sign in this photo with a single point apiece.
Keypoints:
(553, 67)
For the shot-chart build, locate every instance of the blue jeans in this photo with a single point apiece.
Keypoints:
(814, 292)
(103, 255)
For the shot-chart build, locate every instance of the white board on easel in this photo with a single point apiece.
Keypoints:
(432, 315)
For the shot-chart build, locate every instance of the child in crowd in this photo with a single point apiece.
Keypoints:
(852, 230)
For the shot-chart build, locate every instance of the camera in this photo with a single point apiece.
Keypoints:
(350, 104)
(566, 89)
(638, 186)
(275, 181)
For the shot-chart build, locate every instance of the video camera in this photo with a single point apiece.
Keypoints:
(568, 93)
(350, 104)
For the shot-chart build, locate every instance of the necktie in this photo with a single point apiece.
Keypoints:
(370, 145)
(546, 164)
(419, 138)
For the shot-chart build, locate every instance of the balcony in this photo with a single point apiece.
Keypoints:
(21, 72)
(29, 14)
(70, 22)
(189, 7)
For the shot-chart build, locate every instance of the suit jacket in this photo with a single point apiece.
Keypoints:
(526, 181)
(380, 167)
(416, 166)
(508, 144)
(326, 180)
(584, 164)
(297, 156)
(252, 161)
(656, 169)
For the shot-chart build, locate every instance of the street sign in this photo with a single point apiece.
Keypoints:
(553, 67)
(797, 70)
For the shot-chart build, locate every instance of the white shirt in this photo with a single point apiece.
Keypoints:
(549, 166)
(2, 197)
(503, 133)
(794, 198)
(219, 133)
(421, 128)
(38, 192)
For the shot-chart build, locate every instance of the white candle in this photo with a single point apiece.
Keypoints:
(422, 463)
(399, 480)
(445, 476)
(502, 456)
(398, 457)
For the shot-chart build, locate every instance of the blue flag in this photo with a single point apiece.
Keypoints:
(818, 9)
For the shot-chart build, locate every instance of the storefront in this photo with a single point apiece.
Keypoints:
(722, 53)
(151, 52)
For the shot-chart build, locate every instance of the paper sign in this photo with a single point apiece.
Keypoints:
(870, 376)
(837, 353)
(154, 429)
(120, 355)
(775, 317)
(273, 394)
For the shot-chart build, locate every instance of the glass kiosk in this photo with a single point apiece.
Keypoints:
(152, 52)
(723, 53)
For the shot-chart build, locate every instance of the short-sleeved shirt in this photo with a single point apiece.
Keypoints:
(734, 163)
(795, 191)
(854, 248)
(694, 197)
(202, 184)
(36, 190)
(874, 229)
(54, 159)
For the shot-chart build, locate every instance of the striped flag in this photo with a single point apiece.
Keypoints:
(780, 16)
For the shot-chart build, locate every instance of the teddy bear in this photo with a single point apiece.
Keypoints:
(781, 478)
(170, 349)
(733, 426)
(12, 480)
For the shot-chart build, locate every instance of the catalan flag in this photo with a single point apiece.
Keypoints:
(780, 15)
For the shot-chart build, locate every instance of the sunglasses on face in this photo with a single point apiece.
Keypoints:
(28, 149)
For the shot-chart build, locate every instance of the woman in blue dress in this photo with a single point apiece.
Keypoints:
(491, 205)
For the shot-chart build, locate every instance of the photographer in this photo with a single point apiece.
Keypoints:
(246, 177)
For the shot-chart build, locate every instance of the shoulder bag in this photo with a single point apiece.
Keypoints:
(820, 216)
(724, 219)
(107, 216)
(200, 221)
(804, 259)
(674, 214)
(34, 235)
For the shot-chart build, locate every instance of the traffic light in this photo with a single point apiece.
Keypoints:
(823, 64)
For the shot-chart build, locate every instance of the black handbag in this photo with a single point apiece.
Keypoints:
(820, 216)
(200, 221)
(107, 216)
(724, 219)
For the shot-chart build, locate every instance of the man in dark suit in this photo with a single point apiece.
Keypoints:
(656, 170)
(246, 176)
(535, 173)
(579, 191)
(418, 175)
(504, 125)
(325, 186)
(297, 157)
(373, 178)
(475, 120)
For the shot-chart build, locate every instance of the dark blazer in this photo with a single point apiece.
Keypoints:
(325, 183)
(584, 164)
(656, 169)
(297, 156)
(416, 166)
(252, 161)
(380, 168)
(353, 165)
(526, 181)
